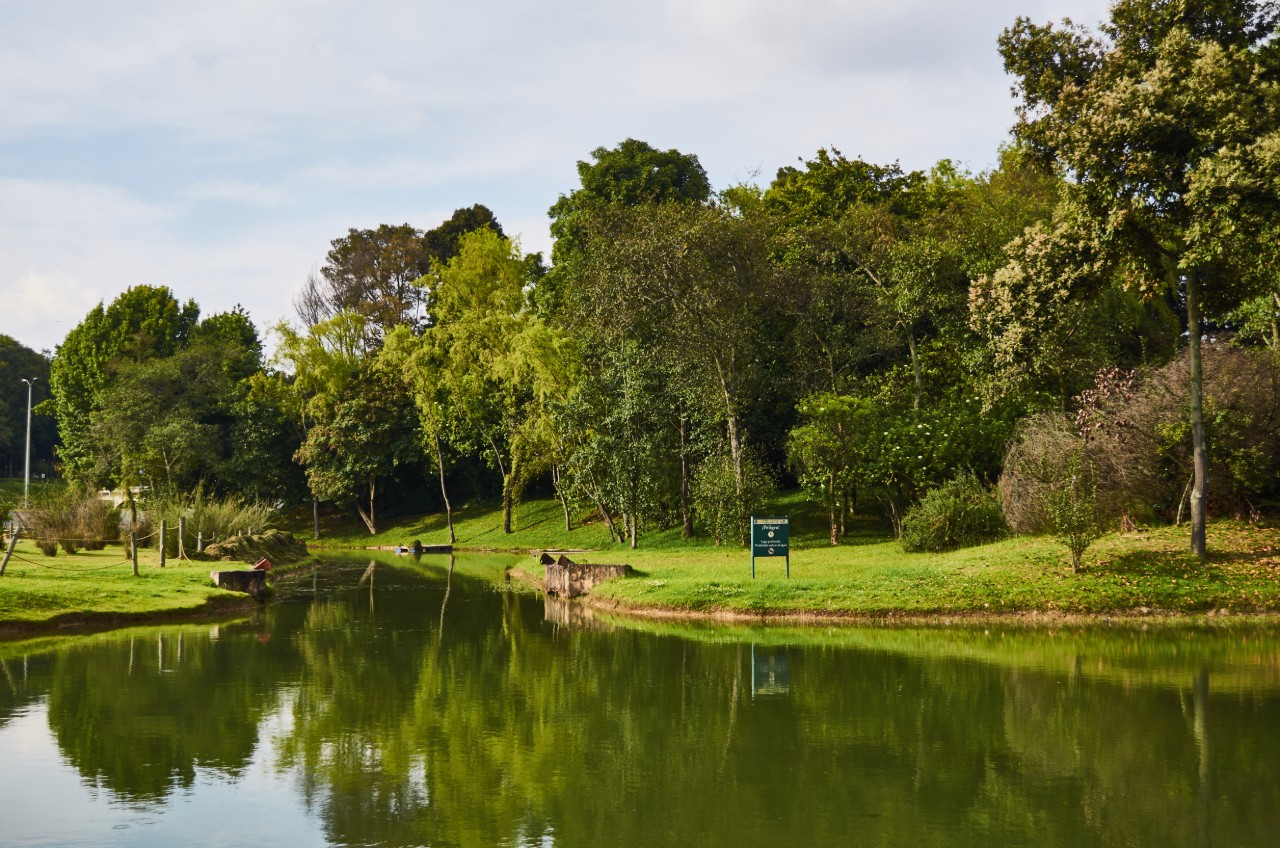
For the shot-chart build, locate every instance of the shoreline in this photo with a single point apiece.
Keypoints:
(1029, 618)
(76, 623)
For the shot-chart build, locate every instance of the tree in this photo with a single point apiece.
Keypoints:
(631, 174)
(18, 362)
(143, 323)
(380, 273)
(700, 288)
(827, 452)
(421, 363)
(1168, 128)
(370, 433)
(172, 418)
(372, 273)
(501, 357)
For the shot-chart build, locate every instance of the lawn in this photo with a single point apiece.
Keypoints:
(99, 586)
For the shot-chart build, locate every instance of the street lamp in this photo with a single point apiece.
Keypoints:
(26, 471)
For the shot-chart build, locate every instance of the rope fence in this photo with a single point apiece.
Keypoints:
(131, 544)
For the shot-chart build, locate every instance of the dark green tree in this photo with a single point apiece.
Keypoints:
(18, 362)
(370, 433)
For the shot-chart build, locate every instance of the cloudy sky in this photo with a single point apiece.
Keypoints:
(218, 148)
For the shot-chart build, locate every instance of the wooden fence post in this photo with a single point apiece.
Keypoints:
(200, 542)
(164, 540)
(133, 547)
(182, 537)
(13, 540)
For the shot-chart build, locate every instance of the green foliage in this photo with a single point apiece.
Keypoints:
(726, 502)
(1073, 507)
(957, 514)
(143, 323)
(830, 184)
(18, 362)
(828, 452)
(369, 434)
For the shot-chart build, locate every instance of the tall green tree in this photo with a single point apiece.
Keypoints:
(421, 363)
(376, 273)
(170, 421)
(633, 173)
(501, 357)
(143, 323)
(1167, 124)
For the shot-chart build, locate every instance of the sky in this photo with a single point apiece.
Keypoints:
(219, 148)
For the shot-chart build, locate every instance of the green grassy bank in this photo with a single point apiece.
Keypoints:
(98, 588)
(870, 576)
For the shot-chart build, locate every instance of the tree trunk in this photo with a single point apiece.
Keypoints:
(833, 499)
(686, 499)
(1275, 325)
(614, 535)
(631, 529)
(915, 368)
(1199, 458)
(726, 374)
(564, 501)
(506, 503)
(369, 518)
(444, 493)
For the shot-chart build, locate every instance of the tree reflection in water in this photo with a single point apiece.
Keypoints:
(461, 714)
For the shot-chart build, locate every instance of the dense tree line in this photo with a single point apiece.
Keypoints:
(861, 330)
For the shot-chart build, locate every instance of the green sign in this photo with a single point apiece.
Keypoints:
(770, 537)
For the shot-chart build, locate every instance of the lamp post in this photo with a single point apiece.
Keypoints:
(26, 470)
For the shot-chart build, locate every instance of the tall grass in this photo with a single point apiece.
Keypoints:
(209, 518)
(74, 518)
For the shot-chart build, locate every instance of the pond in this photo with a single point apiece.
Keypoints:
(394, 702)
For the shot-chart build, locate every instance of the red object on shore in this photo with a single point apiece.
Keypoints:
(264, 564)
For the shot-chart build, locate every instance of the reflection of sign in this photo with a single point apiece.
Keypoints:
(770, 671)
(770, 537)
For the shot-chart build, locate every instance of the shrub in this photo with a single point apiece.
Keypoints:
(957, 514)
(722, 508)
(73, 518)
(1139, 441)
(1073, 505)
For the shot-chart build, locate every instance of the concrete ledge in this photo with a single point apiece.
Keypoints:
(568, 579)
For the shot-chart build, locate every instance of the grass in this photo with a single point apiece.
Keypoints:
(99, 587)
(1143, 573)
(870, 575)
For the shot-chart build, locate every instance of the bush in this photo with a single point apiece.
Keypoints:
(957, 514)
(1073, 505)
(721, 507)
(73, 518)
(1139, 441)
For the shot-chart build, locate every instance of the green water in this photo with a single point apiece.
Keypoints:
(398, 705)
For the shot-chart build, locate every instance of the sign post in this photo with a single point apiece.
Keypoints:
(770, 537)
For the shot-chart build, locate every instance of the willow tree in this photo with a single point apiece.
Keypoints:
(499, 360)
(1166, 124)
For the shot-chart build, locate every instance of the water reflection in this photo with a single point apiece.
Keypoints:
(770, 671)
(407, 703)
